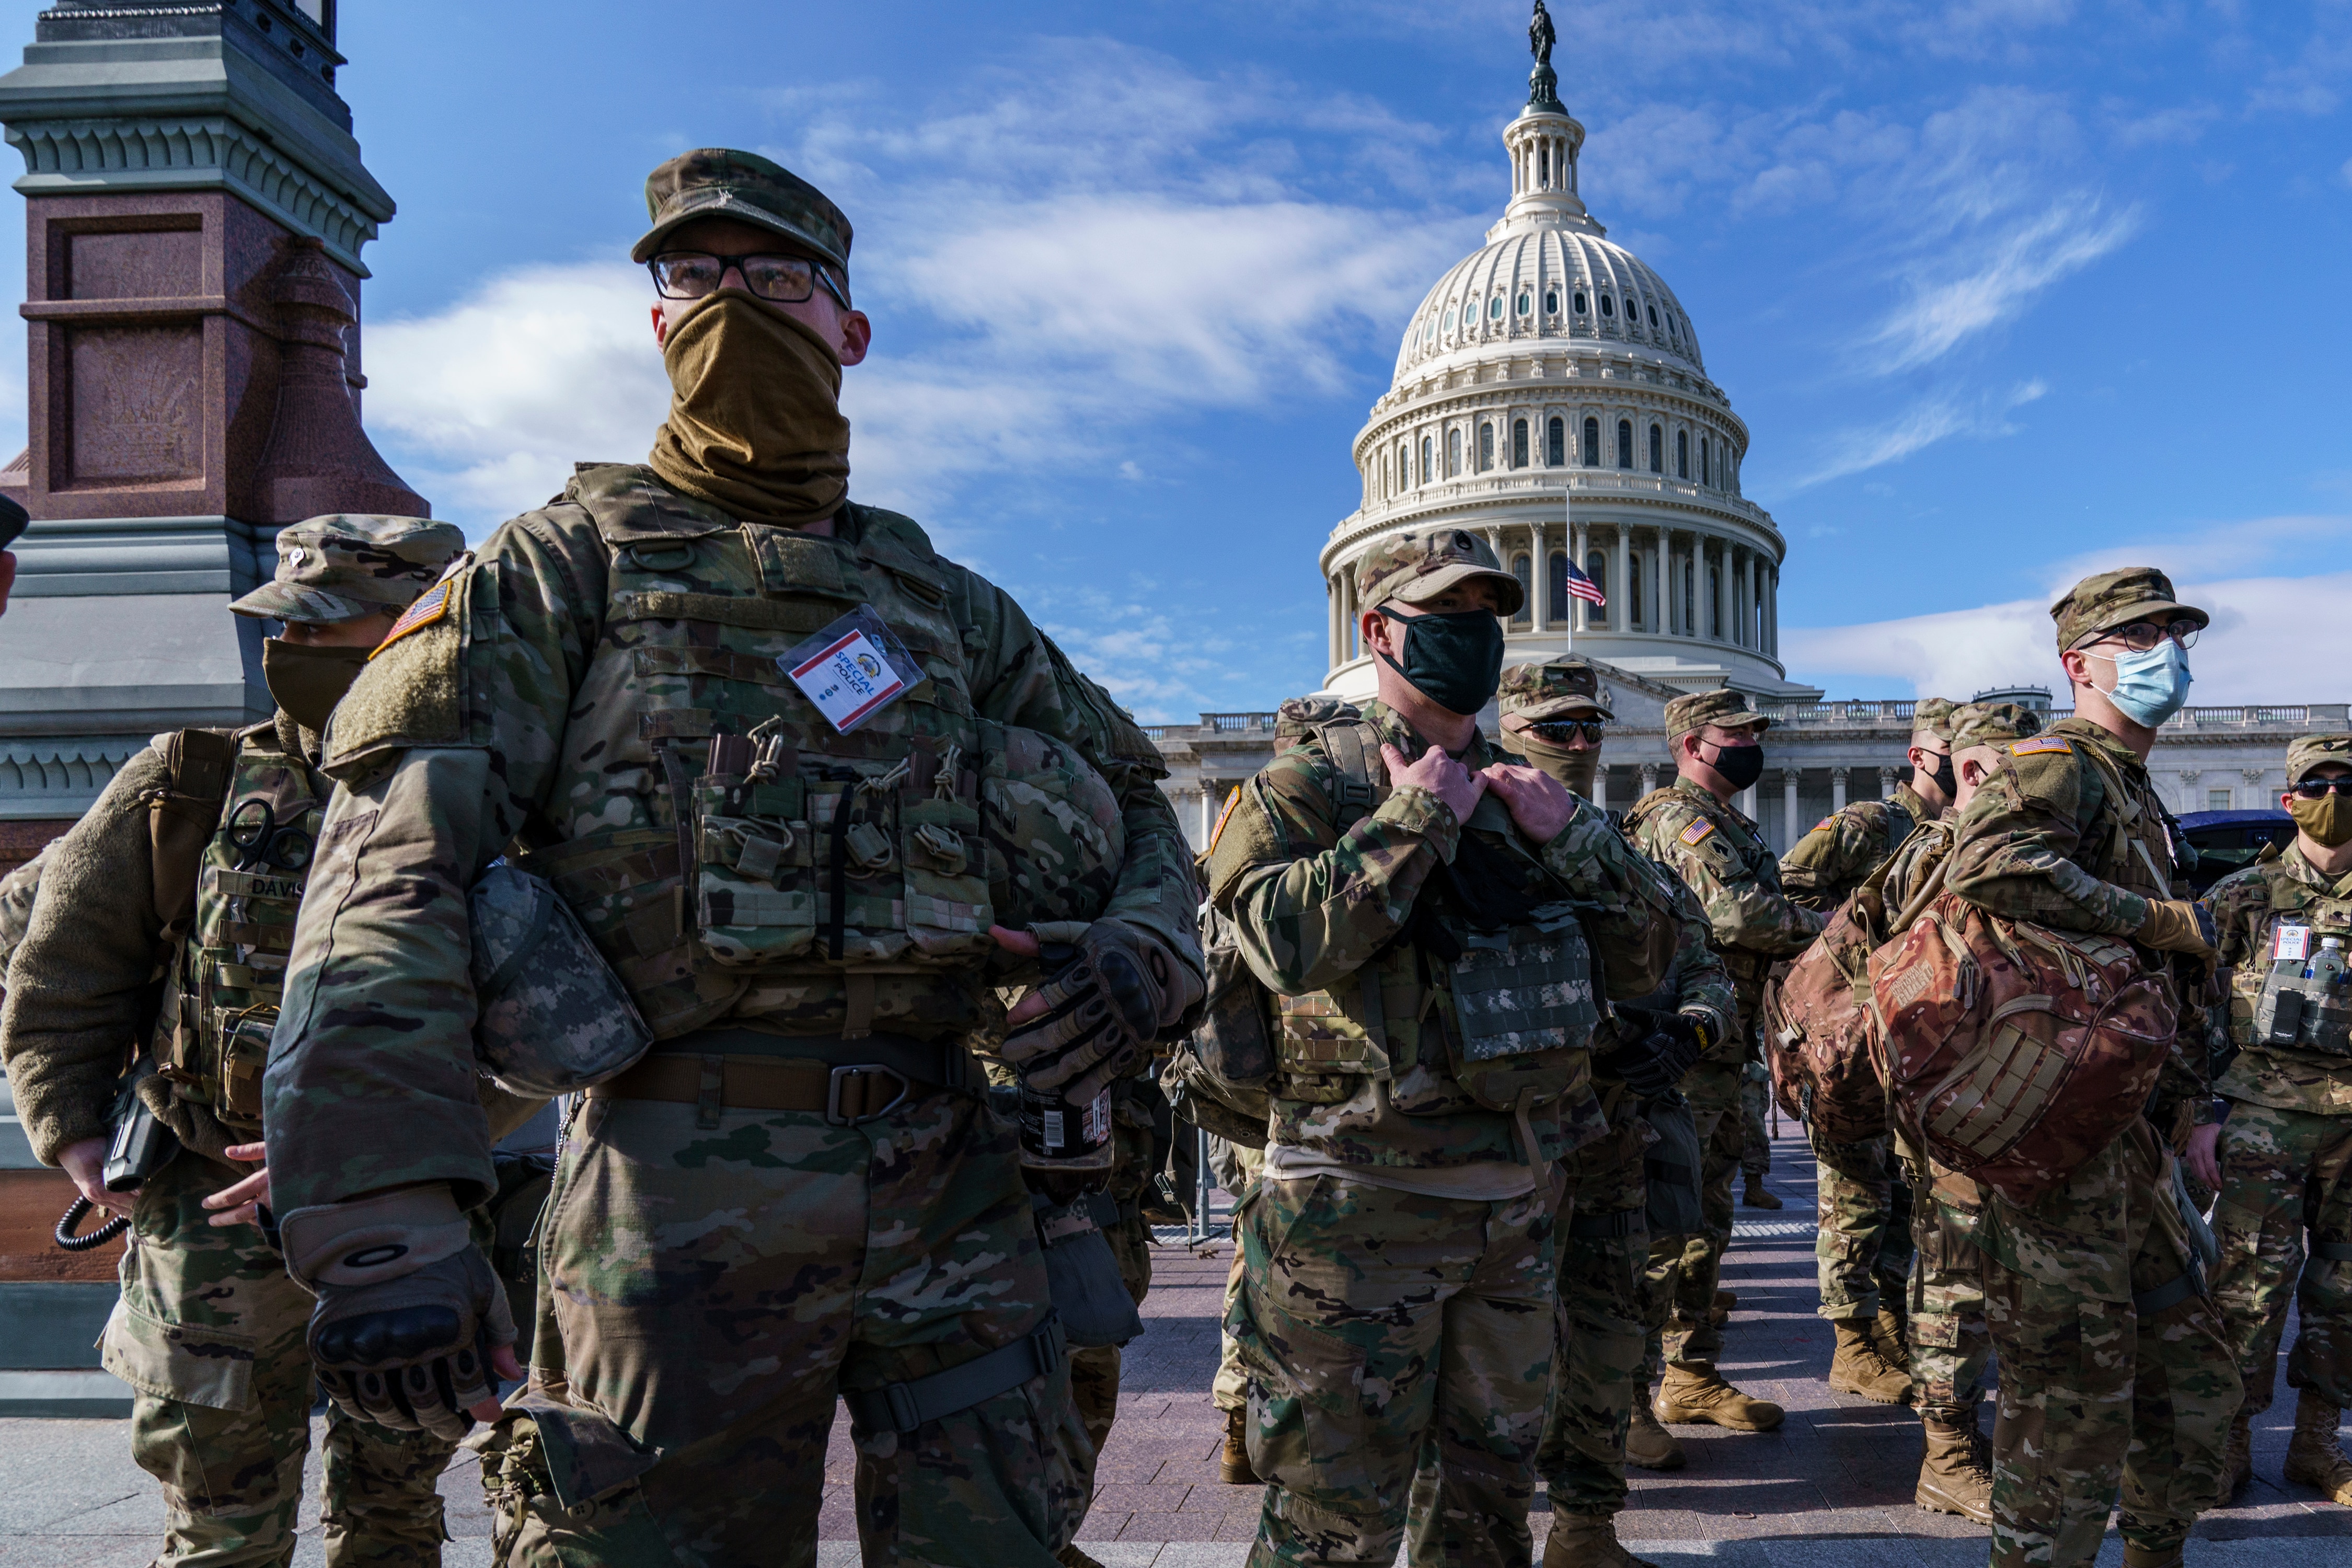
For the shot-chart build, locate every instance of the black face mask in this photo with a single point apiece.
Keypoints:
(1942, 777)
(1455, 659)
(1739, 765)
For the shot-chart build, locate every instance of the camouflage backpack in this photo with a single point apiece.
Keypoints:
(1819, 1031)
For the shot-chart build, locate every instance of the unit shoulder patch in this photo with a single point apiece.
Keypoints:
(2040, 745)
(424, 612)
(1697, 833)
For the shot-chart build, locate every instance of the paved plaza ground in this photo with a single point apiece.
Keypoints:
(1830, 1489)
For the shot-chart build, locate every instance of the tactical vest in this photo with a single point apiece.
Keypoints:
(2297, 989)
(730, 851)
(1525, 1006)
(1748, 969)
(221, 996)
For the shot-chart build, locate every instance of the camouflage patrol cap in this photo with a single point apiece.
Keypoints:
(1298, 715)
(718, 182)
(1934, 716)
(1722, 707)
(1422, 562)
(1992, 724)
(347, 564)
(2107, 599)
(1538, 691)
(2309, 752)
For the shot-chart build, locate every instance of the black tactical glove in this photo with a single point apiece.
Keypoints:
(1111, 989)
(1660, 1048)
(409, 1310)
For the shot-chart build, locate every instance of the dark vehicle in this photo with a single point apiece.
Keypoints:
(2227, 840)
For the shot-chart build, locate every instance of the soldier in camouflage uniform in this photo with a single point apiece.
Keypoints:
(773, 749)
(2286, 1151)
(1438, 924)
(1945, 1325)
(2114, 1365)
(1552, 714)
(209, 1329)
(1863, 1249)
(1691, 828)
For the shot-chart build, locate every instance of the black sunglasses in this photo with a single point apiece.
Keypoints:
(786, 279)
(1560, 732)
(2318, 789)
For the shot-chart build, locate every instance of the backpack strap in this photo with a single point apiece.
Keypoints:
(1362, 783)
(182, 816)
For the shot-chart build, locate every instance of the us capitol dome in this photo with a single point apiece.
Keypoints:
(1550, 395)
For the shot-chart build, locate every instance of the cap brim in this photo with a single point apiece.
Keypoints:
(290, 601)
(2340, 759)
(1747, 720)
(1513, 597)
(2140, 611)
(721, 203)
(1562, 706)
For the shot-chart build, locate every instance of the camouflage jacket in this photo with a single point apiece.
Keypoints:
(2247, 906)
(1722, 858)
(1845, 846)
(1316, 911)
(563, 689)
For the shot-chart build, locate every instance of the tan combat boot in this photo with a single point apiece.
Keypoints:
(1233, 1464)
(1588, 1540)
(2313, 1457)
(1649, 1446)
(1758, 1196)
(1888, 1334)
(1956, 1476)
(1858, 1368)
(1726, 1300)
(2238, 1456)
(1695, 1393)
(2138, 1556)
(1071, 1557)
(1719, 1311)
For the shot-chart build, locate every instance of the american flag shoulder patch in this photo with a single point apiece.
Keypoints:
(424, 612)
(1696, 833)
(1824, 822)
(2038, 745)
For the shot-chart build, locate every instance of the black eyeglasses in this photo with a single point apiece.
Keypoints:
(786, 279)
(1560, 732)
(2319, 789)
(2141, 636)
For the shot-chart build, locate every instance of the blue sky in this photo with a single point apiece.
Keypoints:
(2004, 289)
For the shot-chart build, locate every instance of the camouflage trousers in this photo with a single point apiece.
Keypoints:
(1597, 1368)
(1236, 1166)
(1947, 1333)
(2094, 1397)
(1755, 1133)
(1863, 1248)
(1680, 1283)
(209, 1331)
(2283, 1173)
(716, 1278)
(1385, 1333)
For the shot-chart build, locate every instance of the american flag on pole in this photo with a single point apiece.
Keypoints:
(1581, 587)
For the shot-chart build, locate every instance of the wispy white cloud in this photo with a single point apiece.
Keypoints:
(1935, 418)
(2025, 261)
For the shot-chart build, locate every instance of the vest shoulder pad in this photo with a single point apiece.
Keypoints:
(631, 505)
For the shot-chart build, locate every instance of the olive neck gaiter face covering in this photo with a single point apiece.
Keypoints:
(306, 682)
(755, 427)
(1575, 768)
(2328, 819)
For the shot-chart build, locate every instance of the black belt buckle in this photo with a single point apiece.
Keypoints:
(832, 1115)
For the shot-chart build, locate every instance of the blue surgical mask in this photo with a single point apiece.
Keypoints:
(2150, 686)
